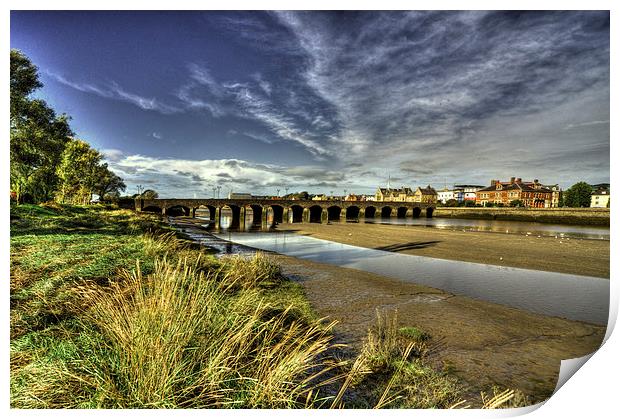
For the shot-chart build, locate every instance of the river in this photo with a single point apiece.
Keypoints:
(574, 297)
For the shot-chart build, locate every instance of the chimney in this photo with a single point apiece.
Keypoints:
(518, 180)
(493, 182)
(512, 180)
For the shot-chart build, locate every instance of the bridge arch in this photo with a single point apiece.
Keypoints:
(401, 212)
(235, 215)
(386, 212)
(333, 213)
(429, 212)
(370, 212)
(296, 213)
(314, 214)
(204, 210)
(257, 213)
(416, 212)
(178, 210)
(278, 213)
(353, 212)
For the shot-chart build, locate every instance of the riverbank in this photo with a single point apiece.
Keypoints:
(113, 309)
(575, 216)
(573, 256)
(483, 344)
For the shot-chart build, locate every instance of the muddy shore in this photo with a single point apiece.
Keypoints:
(483, 344)
(573, 256)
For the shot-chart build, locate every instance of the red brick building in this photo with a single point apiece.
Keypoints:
(531, 194)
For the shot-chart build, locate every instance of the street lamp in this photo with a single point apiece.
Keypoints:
(345, 194)
(278, 192)
(218, 192)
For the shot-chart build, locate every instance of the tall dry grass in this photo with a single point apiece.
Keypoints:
(186, 338)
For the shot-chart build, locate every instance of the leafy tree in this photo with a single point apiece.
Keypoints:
(37, 135)
(470, 203)
(451, 203)
(516, 203)
(149, 194)
(108, 185)
(24, 81)
(78, 173)
(578, 195)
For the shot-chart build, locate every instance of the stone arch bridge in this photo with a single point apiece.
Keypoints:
(286, 211)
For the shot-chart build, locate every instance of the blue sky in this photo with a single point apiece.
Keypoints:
(181, 102)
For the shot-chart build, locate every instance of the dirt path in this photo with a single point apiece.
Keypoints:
(575, 256)
(484, 344)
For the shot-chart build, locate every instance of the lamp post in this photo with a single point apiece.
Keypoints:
(345, 195)
(278, 192)
(218, 192)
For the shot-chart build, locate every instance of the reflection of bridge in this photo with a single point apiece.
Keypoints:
(286, 211)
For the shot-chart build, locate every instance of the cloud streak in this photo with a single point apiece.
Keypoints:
(116, 92)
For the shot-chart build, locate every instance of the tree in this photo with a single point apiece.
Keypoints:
(24, 81)
(149, 194)
(78, 173)
(516, 203)
(578, 195)
(108, 185)
(37, 135)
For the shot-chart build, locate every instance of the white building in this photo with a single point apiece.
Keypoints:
(444, 195)
(600, 198)
(466, 192)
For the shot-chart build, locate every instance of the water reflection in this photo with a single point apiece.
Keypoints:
(252, 223)
(497, 226)
(500, 226)
(574, 297)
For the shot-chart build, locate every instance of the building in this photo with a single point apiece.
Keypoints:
(600, 198)
(463, 193)
(403, 194)
(355, 198)
(319, 197)
(556, 194)
(427, 195)
(236, 195)
(445, 195)
(530, 194)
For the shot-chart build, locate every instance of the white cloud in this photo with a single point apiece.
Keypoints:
(115, 92)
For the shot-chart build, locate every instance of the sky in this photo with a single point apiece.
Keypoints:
(268, 102)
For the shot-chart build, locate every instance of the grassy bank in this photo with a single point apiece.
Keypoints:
(110, 309)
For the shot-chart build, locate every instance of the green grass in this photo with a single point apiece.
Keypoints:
(108, 309)
(112, 309)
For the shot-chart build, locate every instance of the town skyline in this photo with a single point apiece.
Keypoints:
(256, 101)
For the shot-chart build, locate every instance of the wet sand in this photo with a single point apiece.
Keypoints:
(574, 256)
(483, 344)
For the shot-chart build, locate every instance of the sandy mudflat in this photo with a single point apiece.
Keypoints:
(574, 256)
(484, 344)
